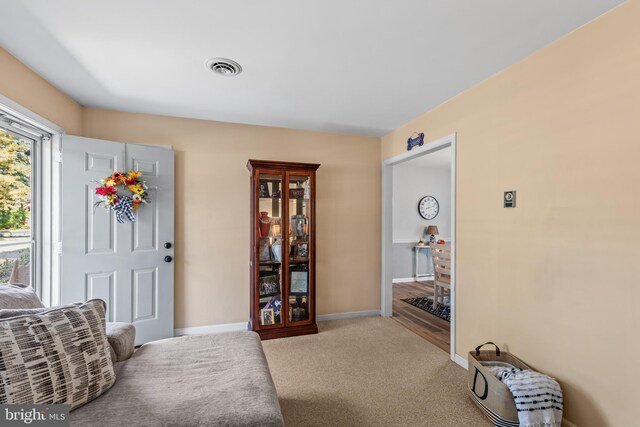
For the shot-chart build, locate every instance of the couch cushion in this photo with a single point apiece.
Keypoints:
(122, 338)
(217, 379)
(59, 356)
(17, 297)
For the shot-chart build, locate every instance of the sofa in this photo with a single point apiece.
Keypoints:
(203, 380)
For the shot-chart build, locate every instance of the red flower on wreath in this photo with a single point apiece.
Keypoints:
(106, 191)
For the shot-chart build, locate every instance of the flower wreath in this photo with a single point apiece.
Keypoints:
(122, 204)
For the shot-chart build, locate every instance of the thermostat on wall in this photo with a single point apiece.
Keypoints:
(510, 199)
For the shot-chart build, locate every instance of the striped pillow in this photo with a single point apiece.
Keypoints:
(59, 356)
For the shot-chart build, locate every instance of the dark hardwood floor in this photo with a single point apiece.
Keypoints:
(432, 328)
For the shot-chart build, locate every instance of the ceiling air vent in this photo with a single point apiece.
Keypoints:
(224, 66)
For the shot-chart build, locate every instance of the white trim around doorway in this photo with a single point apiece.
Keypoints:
(386, 274)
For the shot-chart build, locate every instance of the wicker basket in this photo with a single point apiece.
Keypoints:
(490, 394)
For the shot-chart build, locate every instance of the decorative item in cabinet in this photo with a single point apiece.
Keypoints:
(276, 235)
(282, 254)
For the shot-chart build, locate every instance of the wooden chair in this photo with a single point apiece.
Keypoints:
(441, 255)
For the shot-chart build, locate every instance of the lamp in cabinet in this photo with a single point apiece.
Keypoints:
(275, 234)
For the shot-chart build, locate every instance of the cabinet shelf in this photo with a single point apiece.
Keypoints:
(282, 277)
(270, 263)
(271, 295)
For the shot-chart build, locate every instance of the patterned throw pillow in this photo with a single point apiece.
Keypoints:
(60, 356)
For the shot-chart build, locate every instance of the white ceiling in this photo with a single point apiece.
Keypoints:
(352, 66)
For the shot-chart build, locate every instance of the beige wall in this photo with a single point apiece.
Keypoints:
(556, 279)
(212, 209)
(28, 89)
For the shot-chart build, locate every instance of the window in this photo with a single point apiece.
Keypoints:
(19, 203)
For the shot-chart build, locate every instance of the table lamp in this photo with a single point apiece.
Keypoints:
(276, 246)
(433, 231)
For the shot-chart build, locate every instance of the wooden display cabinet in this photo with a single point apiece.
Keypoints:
(283, 248)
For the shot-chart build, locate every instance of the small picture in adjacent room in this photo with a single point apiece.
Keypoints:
(299, 282)
(266, 316)
(264, 249)
(302, 250)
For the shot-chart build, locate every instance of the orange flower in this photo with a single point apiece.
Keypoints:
(117, 177)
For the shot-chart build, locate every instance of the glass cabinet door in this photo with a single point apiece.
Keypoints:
(300, 230)
(269, 229)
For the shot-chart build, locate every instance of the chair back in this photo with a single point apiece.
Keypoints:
(20, 274)
(441, 254)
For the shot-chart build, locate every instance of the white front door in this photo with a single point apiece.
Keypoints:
(129, 266)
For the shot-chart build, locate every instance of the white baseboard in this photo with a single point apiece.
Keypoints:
(405, 279)
(227, 327)
(348, 315)
(412, 279)
(462, 361)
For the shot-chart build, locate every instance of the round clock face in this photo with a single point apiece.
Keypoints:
(428, 207)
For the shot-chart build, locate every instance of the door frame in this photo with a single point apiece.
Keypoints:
(386, 273)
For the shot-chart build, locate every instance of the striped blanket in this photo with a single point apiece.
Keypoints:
(538, 397)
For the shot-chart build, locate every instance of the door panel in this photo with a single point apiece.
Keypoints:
(100, 286)
(151, 277)
(123, 264)
(102, 163)
(89, 240)
(100, 225)
(145, 230)
(145, 288)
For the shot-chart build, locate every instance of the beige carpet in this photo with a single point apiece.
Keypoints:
(368, 372)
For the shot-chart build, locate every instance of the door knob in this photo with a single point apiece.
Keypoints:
(168, 259)
(167, 245)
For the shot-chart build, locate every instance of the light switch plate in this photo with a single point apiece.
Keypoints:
(510, 199)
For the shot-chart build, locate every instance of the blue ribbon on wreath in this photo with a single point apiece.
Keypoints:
(122, 208)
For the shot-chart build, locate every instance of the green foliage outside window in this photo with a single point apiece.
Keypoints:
(15, 182)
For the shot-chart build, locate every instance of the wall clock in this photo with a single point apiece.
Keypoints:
(428, 207)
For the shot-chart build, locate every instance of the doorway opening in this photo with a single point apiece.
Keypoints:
(418, 201)
(421, 208)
